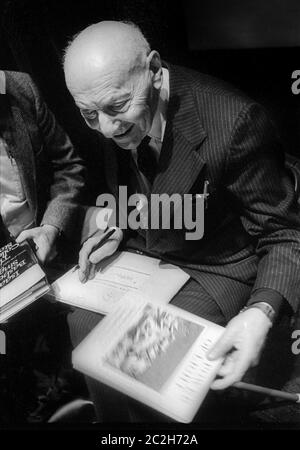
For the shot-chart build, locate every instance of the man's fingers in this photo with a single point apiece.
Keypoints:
(84, 267)
(89, 258)
(222, 346)
(93, 270)
(106, 250)
(43, 248)
(88, 273)
(82, 274)
(26, 234)
(235, 372)
(83, 261)
(228, 380)
(227, 366)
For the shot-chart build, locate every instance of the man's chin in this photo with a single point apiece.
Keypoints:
(125, 145)
(128, 145)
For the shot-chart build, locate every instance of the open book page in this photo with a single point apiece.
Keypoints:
(154, 353)
(123, 272)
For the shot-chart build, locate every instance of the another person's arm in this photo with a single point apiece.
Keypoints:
(60, 216)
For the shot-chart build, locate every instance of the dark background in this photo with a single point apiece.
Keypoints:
(252, 44)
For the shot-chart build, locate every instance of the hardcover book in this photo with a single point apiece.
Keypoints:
(153, 352)
(22, 280)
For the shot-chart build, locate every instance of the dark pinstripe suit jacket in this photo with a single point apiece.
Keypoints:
(252, 237)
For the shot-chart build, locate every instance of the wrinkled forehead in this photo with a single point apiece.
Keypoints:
(91, 88)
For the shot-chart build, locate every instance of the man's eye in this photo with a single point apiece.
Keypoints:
(90, 115)
(118, 107)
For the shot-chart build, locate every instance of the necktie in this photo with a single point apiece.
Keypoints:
(146, 160)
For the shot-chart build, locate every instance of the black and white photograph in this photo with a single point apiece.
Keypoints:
(152, 349)
(167, 130)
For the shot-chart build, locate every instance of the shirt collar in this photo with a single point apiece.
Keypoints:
(2, 82)
(158, 127)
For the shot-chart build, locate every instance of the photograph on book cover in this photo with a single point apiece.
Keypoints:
(152, 349)
(170, 130)
(155, 354)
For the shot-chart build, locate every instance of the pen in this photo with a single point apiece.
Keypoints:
(104, 240)
(100, 244)
(206, 183)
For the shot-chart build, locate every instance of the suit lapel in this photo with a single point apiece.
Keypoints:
(179, 165)
(180, 161)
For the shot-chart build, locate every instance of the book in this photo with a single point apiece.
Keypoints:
(22, 280)
(154, 353)
(121, 273)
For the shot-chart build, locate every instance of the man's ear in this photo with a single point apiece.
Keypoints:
(155, 67)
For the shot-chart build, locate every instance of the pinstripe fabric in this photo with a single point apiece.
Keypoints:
(252, 222)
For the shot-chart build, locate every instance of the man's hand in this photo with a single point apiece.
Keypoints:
(88, 259)
(241, 345)
(44, 238)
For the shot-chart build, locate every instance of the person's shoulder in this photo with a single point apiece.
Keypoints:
(21, 90)
(216, 104)
(19, 86)
(207, 86)
(17, 81)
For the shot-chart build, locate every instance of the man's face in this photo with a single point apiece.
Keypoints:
(121, 106)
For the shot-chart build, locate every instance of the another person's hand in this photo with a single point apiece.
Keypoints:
(241, 345)
(44, 238)
(88, 259)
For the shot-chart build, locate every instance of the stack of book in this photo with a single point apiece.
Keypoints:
(22, 280)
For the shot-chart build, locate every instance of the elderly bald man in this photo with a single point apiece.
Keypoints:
(202, 133)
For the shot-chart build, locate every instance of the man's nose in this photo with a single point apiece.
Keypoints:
(107, 125)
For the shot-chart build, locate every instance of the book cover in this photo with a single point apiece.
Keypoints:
(22, 280)
(154, 353)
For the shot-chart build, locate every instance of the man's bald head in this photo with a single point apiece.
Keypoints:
(119, 46)
(115, 80)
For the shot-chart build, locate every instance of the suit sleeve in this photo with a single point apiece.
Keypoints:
(262, 192)
(67, 170)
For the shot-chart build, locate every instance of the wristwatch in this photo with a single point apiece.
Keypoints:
(265, 307)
